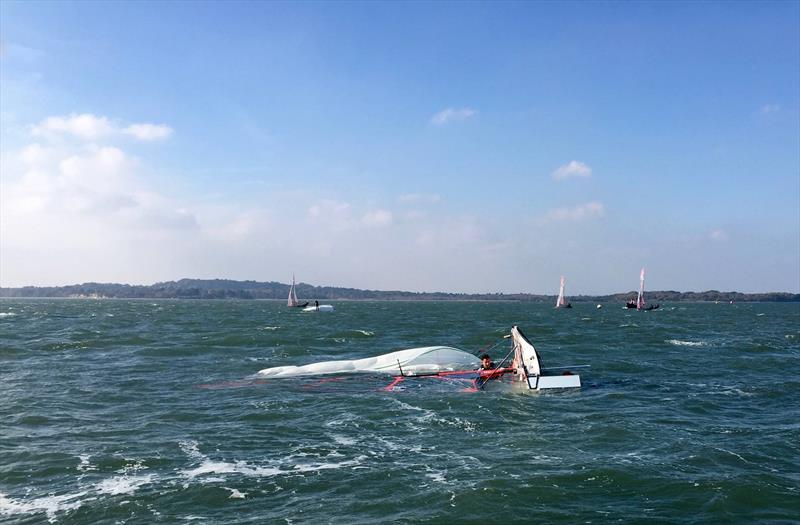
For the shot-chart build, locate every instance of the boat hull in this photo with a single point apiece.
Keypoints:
(320, 308)
(546, 382)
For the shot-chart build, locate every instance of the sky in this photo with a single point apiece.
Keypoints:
(445, 146)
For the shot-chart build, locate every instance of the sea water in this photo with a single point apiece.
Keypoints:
(120, 411)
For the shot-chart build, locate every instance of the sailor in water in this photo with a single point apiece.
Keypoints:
(486, 363)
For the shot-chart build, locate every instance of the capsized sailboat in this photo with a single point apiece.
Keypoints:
(524, 368)
(319, 307)
(561, 302)
(292, 302)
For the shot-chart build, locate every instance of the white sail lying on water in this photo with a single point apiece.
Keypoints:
(414, 361)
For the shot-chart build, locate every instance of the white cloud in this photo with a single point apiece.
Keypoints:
(581, 212)
(718, 235)
(36, 154)
(419, 198)
(85, 126)
(148, 132)
(573, 169)
(91, 127)
(377, 218)
(452, 115)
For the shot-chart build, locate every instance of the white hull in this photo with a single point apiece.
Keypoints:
(546, 382)
(320, 308)
(530, 370)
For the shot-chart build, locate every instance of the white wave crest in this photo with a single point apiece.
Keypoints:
(677, 342)
(223, 467)
(52, 505)
(123, 484)
(235, 494)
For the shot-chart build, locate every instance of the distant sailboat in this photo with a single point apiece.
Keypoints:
(640, 297)
(561, 302)
(640, 304)
(292, 301)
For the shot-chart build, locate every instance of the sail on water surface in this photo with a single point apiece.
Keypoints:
(444, 362)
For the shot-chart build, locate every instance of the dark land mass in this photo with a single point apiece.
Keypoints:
(228, 289)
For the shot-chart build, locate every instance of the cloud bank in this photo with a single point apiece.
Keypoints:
(85, 209)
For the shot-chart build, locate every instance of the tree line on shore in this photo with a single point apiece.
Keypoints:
(230, 289)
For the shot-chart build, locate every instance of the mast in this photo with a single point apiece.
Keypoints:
(640, 297)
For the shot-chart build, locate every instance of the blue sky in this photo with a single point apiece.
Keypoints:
(421, 146)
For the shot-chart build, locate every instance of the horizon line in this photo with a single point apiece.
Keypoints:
(396, 290)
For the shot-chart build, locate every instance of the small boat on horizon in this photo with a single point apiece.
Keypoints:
(292, 302)
(639, 304)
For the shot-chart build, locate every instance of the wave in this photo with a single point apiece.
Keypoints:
(129, 480)
(51, 504)
(677, 342)
(282, 466)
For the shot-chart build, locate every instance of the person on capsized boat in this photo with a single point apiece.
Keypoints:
(486, 363)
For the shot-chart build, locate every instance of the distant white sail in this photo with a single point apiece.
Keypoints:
(292, 301)
(561, 302)
(640, 297)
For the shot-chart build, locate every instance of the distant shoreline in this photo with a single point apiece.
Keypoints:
(248, 290)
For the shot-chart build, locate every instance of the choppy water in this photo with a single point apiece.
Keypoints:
(688, 414)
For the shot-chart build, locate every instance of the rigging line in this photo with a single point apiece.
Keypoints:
(488, 348)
